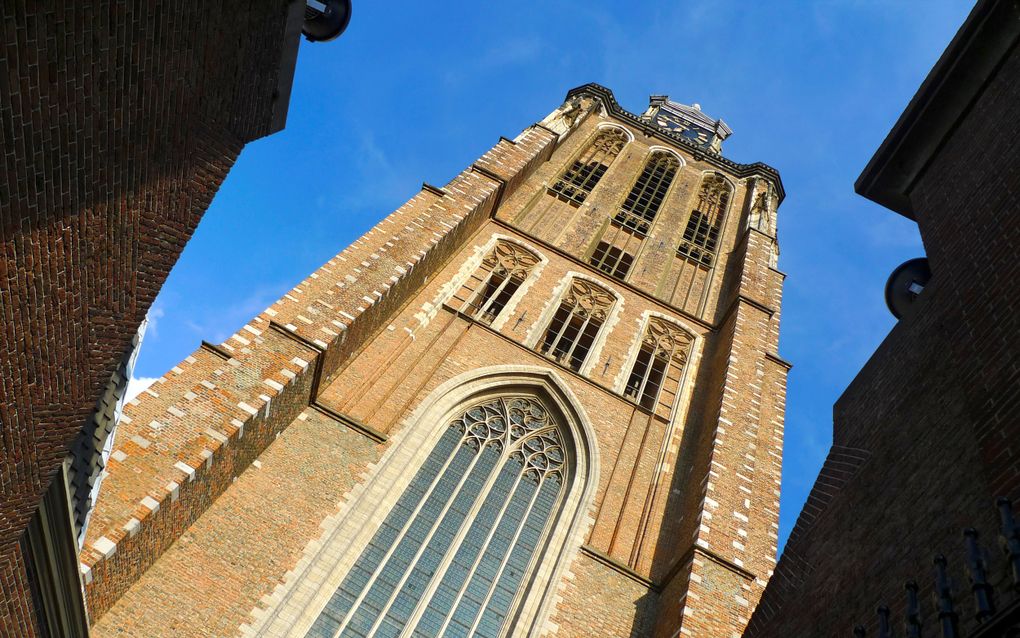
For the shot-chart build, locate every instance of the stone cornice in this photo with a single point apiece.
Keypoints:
(607, 98)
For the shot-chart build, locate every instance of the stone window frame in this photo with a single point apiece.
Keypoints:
(480, 301)
(537, 330)
(721, 219)
(601, 129)
(607, 239)
(296, 603)
(620, 218)
(689, 370)
(471, 266)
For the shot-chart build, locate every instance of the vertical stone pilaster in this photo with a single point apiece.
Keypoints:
(735, 543)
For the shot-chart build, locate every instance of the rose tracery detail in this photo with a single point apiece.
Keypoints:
(519, 424)
(588, 300)
(667, 340)
(510, 260)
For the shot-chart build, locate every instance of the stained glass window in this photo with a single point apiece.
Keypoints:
(451, 555)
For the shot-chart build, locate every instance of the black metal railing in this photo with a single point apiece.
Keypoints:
(996, 613)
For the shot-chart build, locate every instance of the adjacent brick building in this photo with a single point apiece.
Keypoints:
(118, 123)
(925, 439)
(545, 396)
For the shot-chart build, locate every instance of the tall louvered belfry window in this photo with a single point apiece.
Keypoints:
(490, 288)
(645, 198)
(572, 332)
(618, 244)
(701, 236)
(584, 173)
(452, 556)
(654, 379)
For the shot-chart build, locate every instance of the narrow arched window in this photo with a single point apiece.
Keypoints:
(490, 288)
(575, 326)
(654, 379)
(452, 556)
(701, 236)
(584, 173)
(645, 198)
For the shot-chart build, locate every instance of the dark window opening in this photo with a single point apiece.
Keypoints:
(700, 239)
(646, 378)
(493, 297)
(611, 260)
(645, 198)
(569, 338)
(584, 173)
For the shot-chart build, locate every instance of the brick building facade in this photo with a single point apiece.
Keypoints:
(925, 437)
(120, 121)
(592, 307)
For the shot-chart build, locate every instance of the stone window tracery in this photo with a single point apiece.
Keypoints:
(490, 288)
(655, 377)
(574, 327)
(452, 555)
(584, 173)
(701, 236)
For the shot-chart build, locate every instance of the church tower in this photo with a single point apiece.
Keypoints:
(544, 399)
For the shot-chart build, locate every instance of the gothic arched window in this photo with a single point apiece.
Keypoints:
(464, 538)
(654, 379)
(575, 325)
(584, 173)
(701, 237)
(645, 198)
(490, 288)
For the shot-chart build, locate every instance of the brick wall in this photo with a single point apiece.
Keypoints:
(186, 438)
(924, 436)
(119, 122)
(221, 566)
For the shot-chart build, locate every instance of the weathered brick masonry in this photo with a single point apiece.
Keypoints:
(120, 121)
(925, 437)
(232, 474)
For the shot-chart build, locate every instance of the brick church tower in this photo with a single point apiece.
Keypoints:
(544, 399)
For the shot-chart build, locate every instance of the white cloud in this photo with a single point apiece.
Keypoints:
(136, 385)
(217, 324)
(155, 313)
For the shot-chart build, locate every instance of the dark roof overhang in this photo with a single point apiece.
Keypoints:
(945, 97)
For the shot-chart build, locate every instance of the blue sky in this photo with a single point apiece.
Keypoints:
(415, 92)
